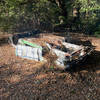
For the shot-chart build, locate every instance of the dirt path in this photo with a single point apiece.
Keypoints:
(22, 79)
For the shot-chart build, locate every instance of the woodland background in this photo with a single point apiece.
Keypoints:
(50, 15)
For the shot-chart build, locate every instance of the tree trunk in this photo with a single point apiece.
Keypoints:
(62, 6)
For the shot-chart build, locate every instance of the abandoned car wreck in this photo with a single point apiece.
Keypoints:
(67, 54)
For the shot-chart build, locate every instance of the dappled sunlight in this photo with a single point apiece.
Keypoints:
(21, 78)
(98, 71)
(70, 80)
(13, 79)
(63, 36)
(5, 95)
(41, 76)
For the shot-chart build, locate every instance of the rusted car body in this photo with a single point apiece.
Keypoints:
(67, 54)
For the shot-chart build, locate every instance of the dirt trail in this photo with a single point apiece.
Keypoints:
(22, 79)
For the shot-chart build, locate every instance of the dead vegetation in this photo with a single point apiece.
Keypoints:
(22, 79)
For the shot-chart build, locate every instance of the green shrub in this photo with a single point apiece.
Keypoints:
(97, 32)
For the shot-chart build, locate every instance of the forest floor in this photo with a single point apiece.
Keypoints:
(22, 79)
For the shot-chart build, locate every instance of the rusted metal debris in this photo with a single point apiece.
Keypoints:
(35, 49)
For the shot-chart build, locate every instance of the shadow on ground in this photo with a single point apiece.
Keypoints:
(52, 84)
(82, 82)
(92, 63)
(3, 41)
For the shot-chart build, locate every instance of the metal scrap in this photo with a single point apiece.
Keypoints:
(67, 53)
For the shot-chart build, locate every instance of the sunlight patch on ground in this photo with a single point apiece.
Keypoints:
(98, 71)
(14, 79)
(41, 76)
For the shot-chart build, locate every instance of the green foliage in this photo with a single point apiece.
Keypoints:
(18, 12)
(51, 67)
(15, 14)
(89, 14)
(97, 31)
